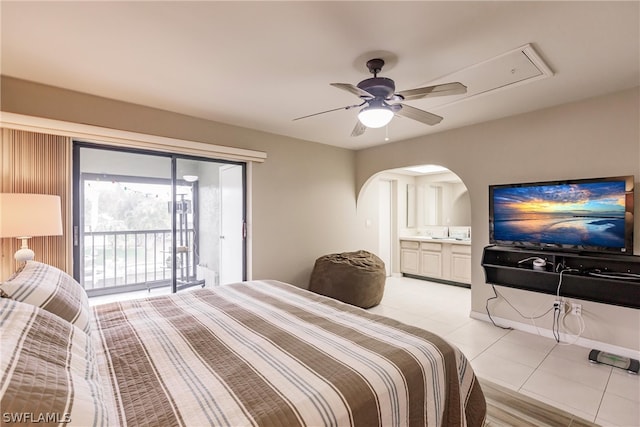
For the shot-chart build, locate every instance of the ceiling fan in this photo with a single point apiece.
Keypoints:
(376, 93)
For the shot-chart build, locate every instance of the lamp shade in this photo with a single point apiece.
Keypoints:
(29, 215)
(375, 116)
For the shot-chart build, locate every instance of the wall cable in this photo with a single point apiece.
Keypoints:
(486, 306)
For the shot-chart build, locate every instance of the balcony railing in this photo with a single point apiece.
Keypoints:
(121, 261)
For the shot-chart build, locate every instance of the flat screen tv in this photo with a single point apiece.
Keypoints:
(580, 215)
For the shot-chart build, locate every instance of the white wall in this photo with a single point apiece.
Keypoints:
(591, 138)
(303, 207)
(460, 205)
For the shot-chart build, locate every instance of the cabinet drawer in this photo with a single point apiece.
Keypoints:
(461, 249)
(428, 246)
(409, 244)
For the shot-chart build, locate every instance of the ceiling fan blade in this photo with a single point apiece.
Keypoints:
(358, 129)
(454, 88)
(328, 111)
(352, 89)
(419, 115)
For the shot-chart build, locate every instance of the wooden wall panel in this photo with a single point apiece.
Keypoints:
(37, 163)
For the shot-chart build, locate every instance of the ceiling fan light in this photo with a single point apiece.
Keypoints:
(375, 117)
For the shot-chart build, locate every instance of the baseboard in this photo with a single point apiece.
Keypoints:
(565, 338)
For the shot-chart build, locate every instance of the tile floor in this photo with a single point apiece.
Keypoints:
(559, 375)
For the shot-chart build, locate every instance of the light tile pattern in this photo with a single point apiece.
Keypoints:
(535, 366)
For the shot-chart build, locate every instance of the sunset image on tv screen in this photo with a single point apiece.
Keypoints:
(585, 214)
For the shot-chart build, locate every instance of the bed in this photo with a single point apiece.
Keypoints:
(257, 353)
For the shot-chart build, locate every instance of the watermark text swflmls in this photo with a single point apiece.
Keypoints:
(31, 417)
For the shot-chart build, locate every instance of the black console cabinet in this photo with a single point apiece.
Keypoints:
(611, 279)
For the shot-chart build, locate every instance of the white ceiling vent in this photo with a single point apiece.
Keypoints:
(516, 67)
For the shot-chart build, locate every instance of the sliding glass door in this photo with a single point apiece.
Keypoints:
(215, 206)
(147, 221)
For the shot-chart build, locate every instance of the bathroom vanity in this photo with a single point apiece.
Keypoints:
(442, 259)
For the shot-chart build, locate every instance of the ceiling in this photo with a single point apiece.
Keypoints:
(261, 64)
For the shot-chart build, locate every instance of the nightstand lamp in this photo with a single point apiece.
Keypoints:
(28, 215)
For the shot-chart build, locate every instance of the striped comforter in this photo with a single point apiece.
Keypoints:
(269, 354)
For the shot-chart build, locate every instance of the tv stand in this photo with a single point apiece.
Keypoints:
(611, 279)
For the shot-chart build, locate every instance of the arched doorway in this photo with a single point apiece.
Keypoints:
(431, 211)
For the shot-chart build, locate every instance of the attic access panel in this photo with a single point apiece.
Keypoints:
(519, 66)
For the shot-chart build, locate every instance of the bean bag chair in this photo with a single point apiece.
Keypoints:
(356, 278)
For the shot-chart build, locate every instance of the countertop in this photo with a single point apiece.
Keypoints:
(437, 240)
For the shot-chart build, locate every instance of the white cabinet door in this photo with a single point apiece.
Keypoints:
(409, 257)
(431, 264)
(461, 263)
(431, 260)
(409, 261)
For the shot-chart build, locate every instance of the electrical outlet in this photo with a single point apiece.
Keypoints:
(560, 305)
(576, 309)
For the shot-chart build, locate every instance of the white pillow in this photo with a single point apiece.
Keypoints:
(49, 370)
(52, 289)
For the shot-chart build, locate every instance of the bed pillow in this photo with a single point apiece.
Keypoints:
(52, 289)
(49, 370)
